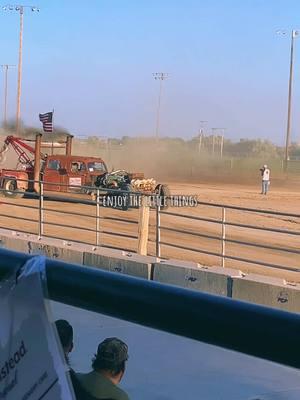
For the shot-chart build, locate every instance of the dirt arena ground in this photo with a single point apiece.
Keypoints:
(284, 199)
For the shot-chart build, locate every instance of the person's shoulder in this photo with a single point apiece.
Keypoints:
(83, 377)
(80, 393)
(82, 374)
(123, 395)
(119, 394)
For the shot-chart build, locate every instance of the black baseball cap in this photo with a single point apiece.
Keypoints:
(113, 350)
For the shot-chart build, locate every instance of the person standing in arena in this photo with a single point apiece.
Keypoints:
(265, 173)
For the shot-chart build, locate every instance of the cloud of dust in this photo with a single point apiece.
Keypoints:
(171, 160)
(154, 159)
(166, 160)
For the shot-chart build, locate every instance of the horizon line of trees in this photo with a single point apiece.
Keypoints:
(208, 145)
(263, 148)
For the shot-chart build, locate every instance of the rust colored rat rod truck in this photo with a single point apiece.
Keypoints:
(65, 172)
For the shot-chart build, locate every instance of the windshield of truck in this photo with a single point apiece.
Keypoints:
(96, 166)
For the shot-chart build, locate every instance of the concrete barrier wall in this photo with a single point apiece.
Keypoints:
(190, 275)
(271, 292)
(14, 240)
(51, 249)
(107, 259)
(221, 281)
(120, 261)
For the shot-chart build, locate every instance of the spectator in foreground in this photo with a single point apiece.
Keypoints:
(108, 370)
(65, 333)
(265, 173)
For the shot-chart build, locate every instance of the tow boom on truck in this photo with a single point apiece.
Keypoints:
(30, 163)
(65, 172)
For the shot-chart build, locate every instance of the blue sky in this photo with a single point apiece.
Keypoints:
(93, 62)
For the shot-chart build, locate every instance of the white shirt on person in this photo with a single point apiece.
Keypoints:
(266, 174)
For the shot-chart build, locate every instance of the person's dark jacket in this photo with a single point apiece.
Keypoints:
(80, 392)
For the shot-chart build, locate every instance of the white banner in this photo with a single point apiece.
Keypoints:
(31, 362)
(75, 181)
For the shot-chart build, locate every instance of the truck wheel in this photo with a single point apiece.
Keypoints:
(164, 192)
(10, 189)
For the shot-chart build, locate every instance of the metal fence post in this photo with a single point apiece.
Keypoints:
(97, 217)
(41, 209)
(157, 236)
(223, 236)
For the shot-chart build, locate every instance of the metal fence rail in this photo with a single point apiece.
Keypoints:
(223, 238)
(231, 324)
(163, 239)
(41, 221)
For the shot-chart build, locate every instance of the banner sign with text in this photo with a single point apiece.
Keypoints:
(31, 363)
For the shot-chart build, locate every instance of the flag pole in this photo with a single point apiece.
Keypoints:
(52, 148)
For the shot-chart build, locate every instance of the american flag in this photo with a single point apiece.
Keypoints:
(46, 120)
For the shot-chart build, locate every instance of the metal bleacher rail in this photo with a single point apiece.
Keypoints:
(255, 330)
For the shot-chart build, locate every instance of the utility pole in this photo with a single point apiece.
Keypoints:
(213, 139)
(201, 134)
(288, 127)
(5, 69)
(161, 76)
(220, 139)
(18, 116)
(200, 141)
(20, 10)
(294, 34)
(221, 145)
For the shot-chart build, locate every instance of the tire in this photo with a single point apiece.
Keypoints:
(10, 189)
(164, 192)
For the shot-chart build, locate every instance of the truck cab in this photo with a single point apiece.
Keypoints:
(69, 173)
